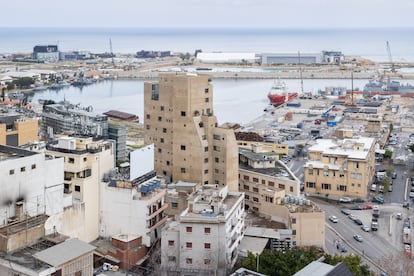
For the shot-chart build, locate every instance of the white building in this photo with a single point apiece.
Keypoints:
(204, 241)
(135, 206)
(226, 57)
(86, 162)
(34, 179)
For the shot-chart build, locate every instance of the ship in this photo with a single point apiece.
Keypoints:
(278, 94)
(387, 86)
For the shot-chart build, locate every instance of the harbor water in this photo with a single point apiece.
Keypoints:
(238, 101)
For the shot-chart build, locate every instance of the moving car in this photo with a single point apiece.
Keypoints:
(334, 219)
(365, 228)
(346, 211)
(358, 221)
(358, 238)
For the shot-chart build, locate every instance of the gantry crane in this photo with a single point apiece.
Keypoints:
(390, 58)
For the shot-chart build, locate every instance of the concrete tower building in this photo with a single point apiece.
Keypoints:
(189, 144)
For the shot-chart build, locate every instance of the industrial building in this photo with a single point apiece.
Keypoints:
(220, 57)
(205, 239)
(189, 144)
(46, 53)
(274, 59)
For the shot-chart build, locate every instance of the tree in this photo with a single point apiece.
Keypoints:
(353, 262)
(388, 154)
(386, 182)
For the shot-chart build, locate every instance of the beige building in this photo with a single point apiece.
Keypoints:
(189, 144)
(263, 178)
(16, 130)
(86, 162)
(337, 168)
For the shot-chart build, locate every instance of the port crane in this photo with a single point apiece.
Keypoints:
(112, 52)
(390, 58)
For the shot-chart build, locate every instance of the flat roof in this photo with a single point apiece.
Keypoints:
(10, 152)
(253, 244)
(64, 252)
(315, 268)
(120, 115)
(262, 232)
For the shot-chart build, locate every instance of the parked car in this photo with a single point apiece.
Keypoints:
(346, 211)
(358, 200)
(406, 204)
(373, 188)
(379, 199)
(352, 217)
(398, 216)
(356, 207)
(367, 206)
(394, 175)
(345, 200)
(358, 221)
(334, 219)
(358, 238)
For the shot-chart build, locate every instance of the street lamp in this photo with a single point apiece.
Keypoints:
(257, 262)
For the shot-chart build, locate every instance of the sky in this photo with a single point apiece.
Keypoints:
(209, 13)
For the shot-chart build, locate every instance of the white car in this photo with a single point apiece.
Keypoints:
(365, 228)
(411, 194)
(334, 219)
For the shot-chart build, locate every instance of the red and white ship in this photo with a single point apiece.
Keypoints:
(278, 94)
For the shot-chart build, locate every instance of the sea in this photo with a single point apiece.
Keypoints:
(237, 101)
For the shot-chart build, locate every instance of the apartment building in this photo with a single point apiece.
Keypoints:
(31, 185)
(204, 240)
(337, 168)
(189, 144)
(132, 202)
(263, 178)
(86, 162)
(17, 130)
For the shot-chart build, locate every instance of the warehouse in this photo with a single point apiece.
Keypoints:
(269, 58)
(221, 57)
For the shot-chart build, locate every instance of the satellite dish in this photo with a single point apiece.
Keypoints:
(51, 222)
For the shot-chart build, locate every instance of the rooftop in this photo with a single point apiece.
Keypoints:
(356, 148)
(9, 152)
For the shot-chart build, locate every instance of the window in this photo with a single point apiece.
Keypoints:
(310, 171)
(182, 147)
(77, 188)
(216, 137)
(205, 160)
(159, 150)
(11, 172)
(189, 261)
(171, 243)
(255, 199)
(189, 229)
(183, 114)
(294, 232)
(325, 173)
(341, 188)
(148, 116)
(207, 261)
(282, 186)
(255, 179)
(183, 170)
(71, 160)
(293, 220)
(23, 169)
(164, 130)
(356, 165)
(168, 163)
(216, 148)
(205, 171)
(207, 230)
(326, 186)
(216, 159)
(255, 189)
(174, 205)
(171, 258)
(189, 245)
(263, 181)
(341, 175)
(246, 177)
(206, 100)
(33, 166)
(291, 189)
(159, 118)
(271, 183)
(148, 127)
(205, 149)
(246, 187)
(216, 170)
(269, 199)
(206, 90)
(310, 184)
(207, 245)
(162, 140)
(162, 108)
(85, 159)
(247, 197)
